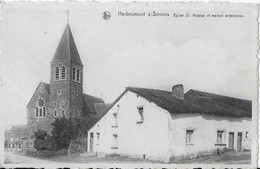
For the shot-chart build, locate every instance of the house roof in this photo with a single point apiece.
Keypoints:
(18, 129)
(67, 49)
(196, 102)
(90, 102)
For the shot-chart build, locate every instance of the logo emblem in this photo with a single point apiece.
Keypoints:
(106, 15)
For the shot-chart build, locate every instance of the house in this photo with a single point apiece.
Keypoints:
(158, 125)
(15, 136)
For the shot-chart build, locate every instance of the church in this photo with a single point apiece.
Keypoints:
(63, 96)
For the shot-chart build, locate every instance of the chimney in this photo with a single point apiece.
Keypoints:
(177, 91)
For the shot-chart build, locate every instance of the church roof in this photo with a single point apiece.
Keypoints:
(47, 87)
(67, 50)
(90, 102)
(101, 108)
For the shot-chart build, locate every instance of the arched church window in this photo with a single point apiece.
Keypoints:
(55, 113)
(78, 75)
(57, 73)
(63, 72)
(63, 113)
(40, 108)
(74, 73)
(37, 112)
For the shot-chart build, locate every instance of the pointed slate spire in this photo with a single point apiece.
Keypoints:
(67, 50)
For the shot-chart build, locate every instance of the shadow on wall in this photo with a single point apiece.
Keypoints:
(210, 117)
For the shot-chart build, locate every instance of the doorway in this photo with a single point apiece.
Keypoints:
(231, 140)
(239, 141)
(91, 142)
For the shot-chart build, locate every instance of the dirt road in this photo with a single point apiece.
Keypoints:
(17, 158)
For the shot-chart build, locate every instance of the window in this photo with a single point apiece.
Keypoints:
(37, 112)
(115, 146)
(62, 112)
(59, 92)
(189, 134)
(44, 113)
(63, 72)
(247, 134)
(141, 114)
(74, 73)
(220, 136)
(98, 136)
(79, 114)
(76, 93)
(55, 113)
(73, 113)
(78, 75)
(115, 119)
(57, 73)
(40, 110)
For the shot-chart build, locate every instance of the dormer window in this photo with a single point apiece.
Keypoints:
(63, 72)
(140, 110)
(57, 73)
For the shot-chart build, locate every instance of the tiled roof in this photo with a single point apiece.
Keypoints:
(89, 102)
(196, 102)
(67, 49)
(18, 129)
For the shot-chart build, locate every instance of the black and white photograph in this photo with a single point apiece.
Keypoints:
(126, 85)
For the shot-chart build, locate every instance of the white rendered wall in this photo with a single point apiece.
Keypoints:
(204, 137)
(136, 140)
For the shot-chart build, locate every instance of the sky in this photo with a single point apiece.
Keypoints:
(216, 55)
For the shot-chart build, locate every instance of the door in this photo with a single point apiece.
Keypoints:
(239, 141)
(231, 141)
(91, 142)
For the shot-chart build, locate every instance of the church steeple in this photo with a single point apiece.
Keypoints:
(66, 83)
(67, 50)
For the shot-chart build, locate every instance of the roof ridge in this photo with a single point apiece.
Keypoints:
(129, 87)
(216, 94)
(68, 28)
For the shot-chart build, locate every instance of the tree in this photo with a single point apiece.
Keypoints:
(40, 134)
(63, 131)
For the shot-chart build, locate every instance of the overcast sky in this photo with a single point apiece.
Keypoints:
(216, 55)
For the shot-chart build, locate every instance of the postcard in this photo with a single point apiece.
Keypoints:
(129, 85)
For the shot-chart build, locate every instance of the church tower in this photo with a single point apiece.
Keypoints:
(66, 79)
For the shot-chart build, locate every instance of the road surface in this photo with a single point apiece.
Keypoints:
(17, 158)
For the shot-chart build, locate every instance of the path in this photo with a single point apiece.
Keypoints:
(17, 158)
